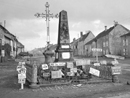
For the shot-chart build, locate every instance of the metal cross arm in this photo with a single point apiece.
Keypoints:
(47, 15)
(40, 15)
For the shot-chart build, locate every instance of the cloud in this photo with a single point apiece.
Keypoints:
(98, 26)
(95, 26)
(83, 15)
(76, 25)
(25, 29)
(33, 32)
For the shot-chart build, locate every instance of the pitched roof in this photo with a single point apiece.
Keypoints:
(105, 32)
(84, 36)
(20, 45)
(90, 41)
(6, 31)
(53, 47)
(73, 41)
(125, 28)
(128, 34)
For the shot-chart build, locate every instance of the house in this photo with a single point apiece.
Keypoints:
(109, 40)
(74, 46)
(8, 43)
(78, 45)
(125, 43)
(89, 46)
(82, 41)
(20, 48)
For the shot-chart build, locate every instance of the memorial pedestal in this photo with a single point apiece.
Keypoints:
(63, 50)
(63, 55)
(48, 56)
(34, 81)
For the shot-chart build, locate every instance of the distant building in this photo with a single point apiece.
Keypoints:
(52, 47)
(78, 45)
(109, 40)
(20, 48)
(74, 46)
(125, 43)
(8, 39)
(89, 46)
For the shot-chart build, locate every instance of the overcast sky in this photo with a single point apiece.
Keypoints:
(83, 15)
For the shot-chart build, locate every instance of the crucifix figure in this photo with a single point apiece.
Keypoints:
(47, 15)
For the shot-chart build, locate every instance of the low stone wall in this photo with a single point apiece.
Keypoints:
(31, 74)
(37, 76)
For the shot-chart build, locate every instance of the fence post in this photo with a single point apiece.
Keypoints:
(115, 79)
(34, 76)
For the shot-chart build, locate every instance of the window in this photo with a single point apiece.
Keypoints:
(123, 42)
(124, 51)
(76, 46)
(73, 47)
(103, 44)
(106, 43)
(3, 41)
(126, 42)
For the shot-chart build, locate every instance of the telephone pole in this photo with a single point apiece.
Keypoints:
(47, 15)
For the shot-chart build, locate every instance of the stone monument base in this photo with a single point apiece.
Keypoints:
(63, 55)
(48, 56)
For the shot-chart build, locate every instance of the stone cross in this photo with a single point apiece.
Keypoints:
(47, 15)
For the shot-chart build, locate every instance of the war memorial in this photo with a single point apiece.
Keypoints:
(65, 70)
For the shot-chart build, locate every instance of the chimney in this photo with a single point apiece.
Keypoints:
(73, 39)
(81, 34)
(4, 23)
(115, 23)
(1, 23)
(105, 28)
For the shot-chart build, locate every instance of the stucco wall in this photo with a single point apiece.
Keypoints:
(93, 46)
(89, 50)
(1, 33)
(89, 37)
(115, 39)
(80, 48)
(128, 37)
(99, 45)
(127, 47)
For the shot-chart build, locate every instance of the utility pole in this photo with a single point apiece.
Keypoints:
(47, 15)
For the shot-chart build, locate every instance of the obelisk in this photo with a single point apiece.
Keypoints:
(63, 50)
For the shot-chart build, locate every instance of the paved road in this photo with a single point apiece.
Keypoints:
(125, 76)
(9, 88)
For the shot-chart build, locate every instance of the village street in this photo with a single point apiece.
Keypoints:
(9, 87)
(64, 49)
